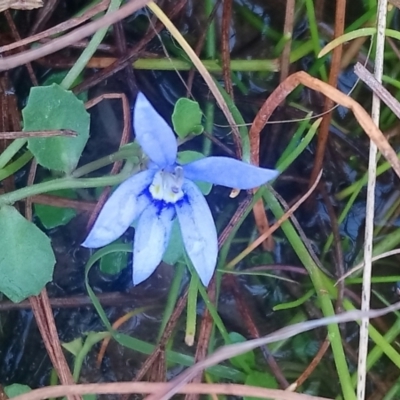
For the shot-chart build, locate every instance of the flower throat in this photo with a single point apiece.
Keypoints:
(167, 186)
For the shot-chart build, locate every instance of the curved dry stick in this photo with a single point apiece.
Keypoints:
(274, 227)
(24, 57)
(233, 350)
(150, 387)
(291, 83)
(63, 26)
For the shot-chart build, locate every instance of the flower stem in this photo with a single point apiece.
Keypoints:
(65, 183)
(119, 155)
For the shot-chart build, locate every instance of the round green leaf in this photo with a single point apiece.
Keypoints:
(50, 108)
(186, 118)
(26, 259)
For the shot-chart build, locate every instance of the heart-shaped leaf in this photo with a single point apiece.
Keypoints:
(50, 108)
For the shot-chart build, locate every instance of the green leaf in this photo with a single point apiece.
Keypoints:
(115, 262)
(186, 118)
(260, 379)
(51, 216)
(89, 396)
(58, 76)
(26, 257)
(49, 108)
(263, 258)
(187, 156)
(305, 347)
(175, 247)
(16, 389)
(74, 347)
(245, 358)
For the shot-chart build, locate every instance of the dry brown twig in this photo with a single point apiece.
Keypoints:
(150, 387)
(63, 26)
(229, 351)
(29, 134)
(302, 78)
(10, 62)
(20, 4)
(178, 385)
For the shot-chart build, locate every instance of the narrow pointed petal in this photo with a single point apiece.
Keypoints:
(198, 231)
(125, 205)
(153, 134)
(228, 172)
(151, 239)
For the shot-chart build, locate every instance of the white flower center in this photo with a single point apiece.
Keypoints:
(167, 186)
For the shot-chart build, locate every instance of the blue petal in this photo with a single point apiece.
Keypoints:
(228, 172)
(121, 209)
(153, 134)
(151, 239)
(198, 231)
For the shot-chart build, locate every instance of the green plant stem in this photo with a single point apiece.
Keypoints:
(140, 345)
(191, 314)
(394, 392)
(210, 48)
(295, 140)
(313, 26)
(383, 345)
(53, 380)
(15, 166)
(376, 279)
(119, 155)
(65, 183)
(354, 35)
(295, 303)
(223, 253)
(169, 64)
(385, 166)
(11, 151)
(172, 297)
(91, 340)
(343, 214)
(283, 164)
(353, 191)
(87, 54)
(237, 116)
(320, 283)
(208, 126)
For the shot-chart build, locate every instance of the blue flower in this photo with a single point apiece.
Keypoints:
(165, 191)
